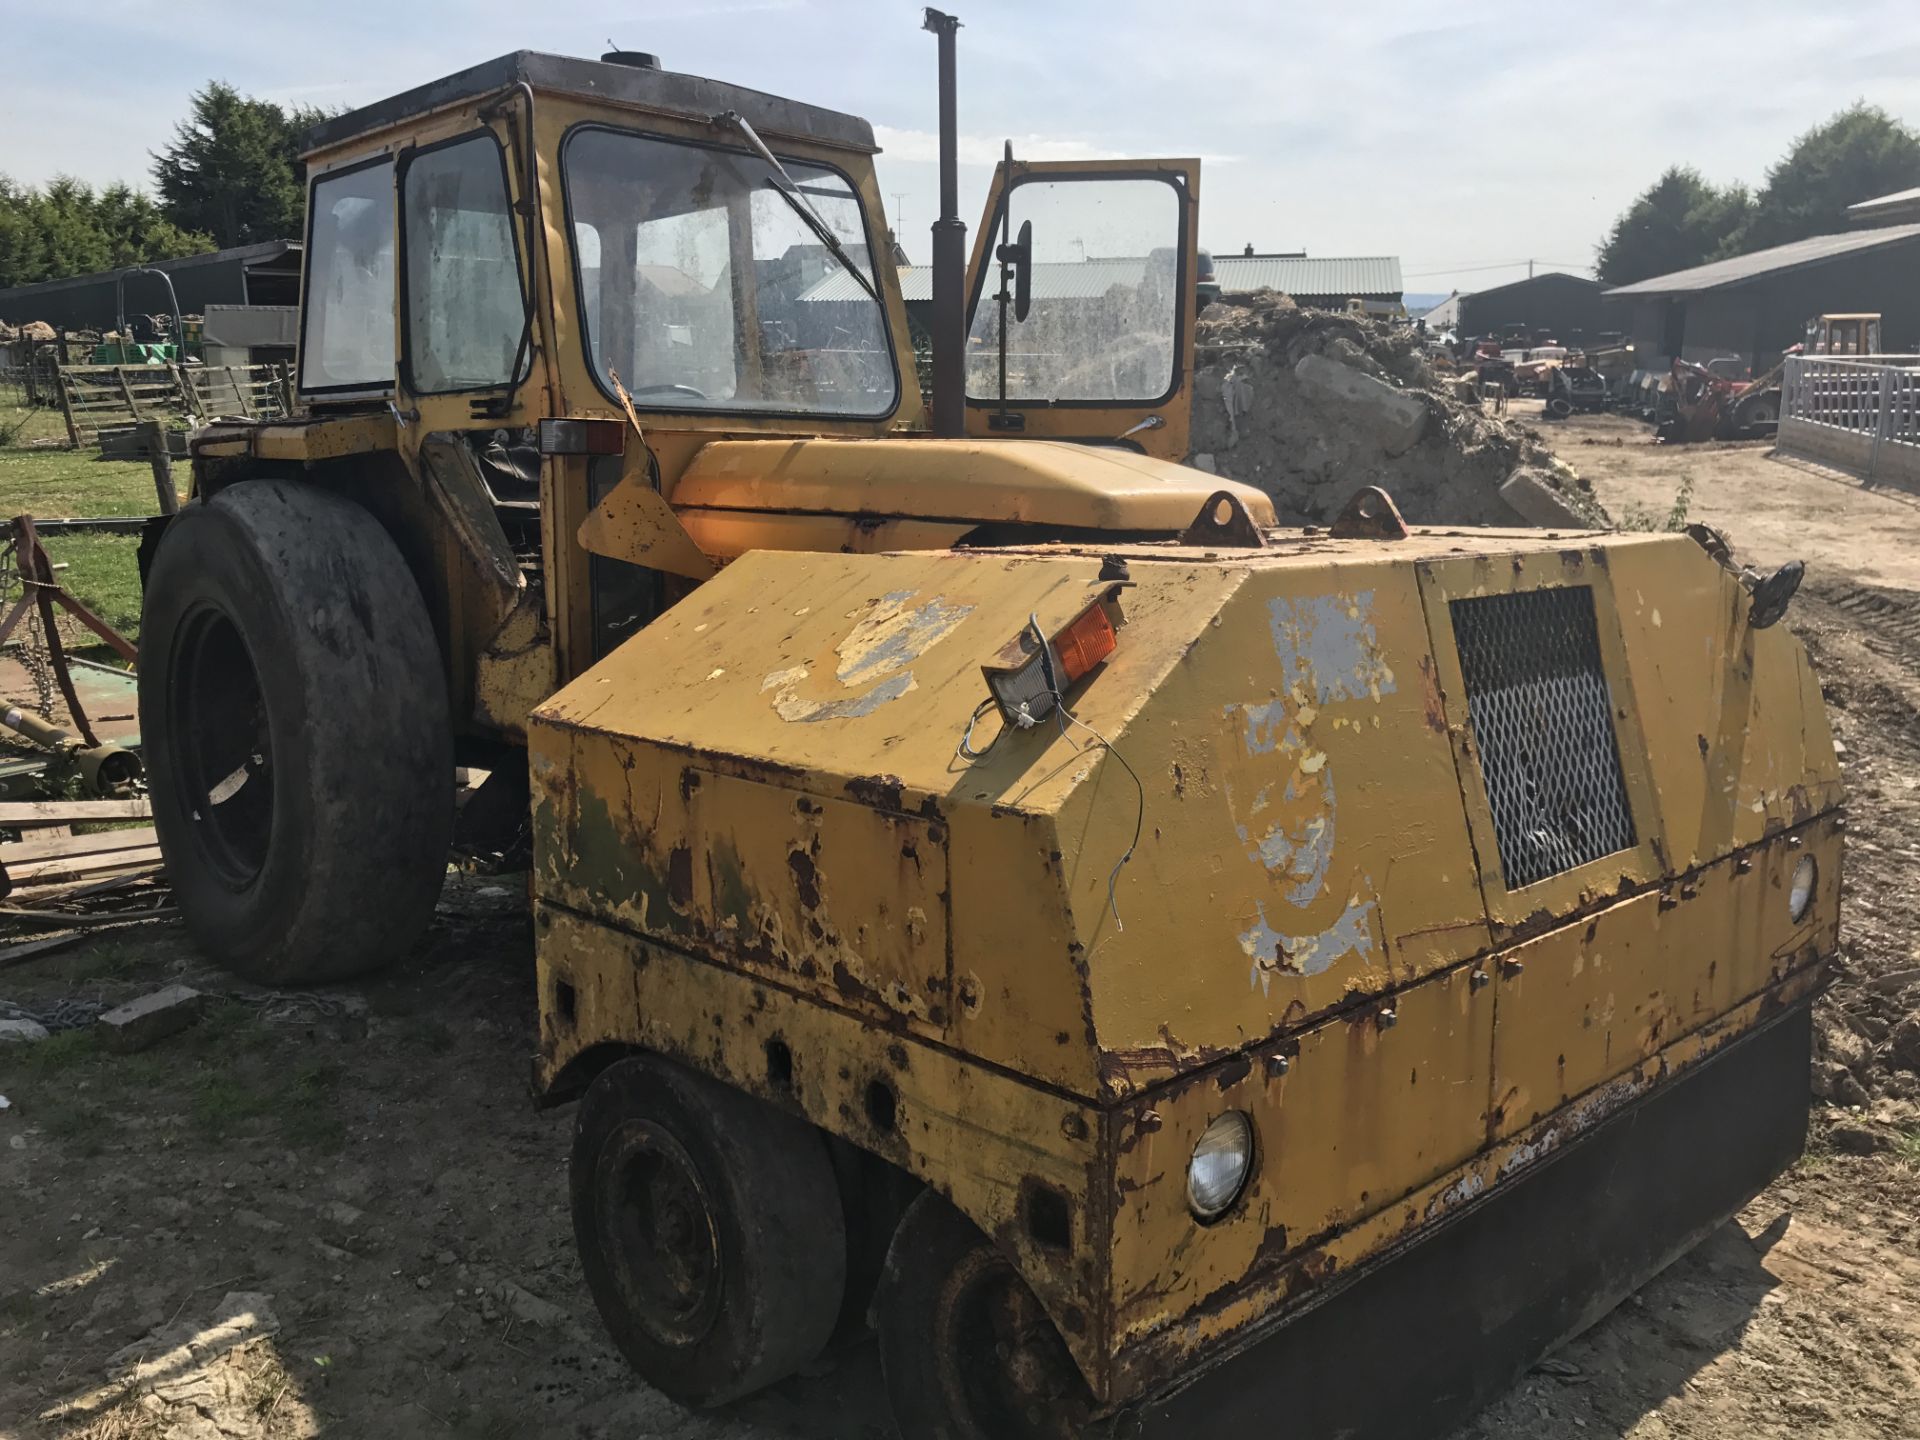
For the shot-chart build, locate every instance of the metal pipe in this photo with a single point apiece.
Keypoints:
(120, 307)
(949, 251)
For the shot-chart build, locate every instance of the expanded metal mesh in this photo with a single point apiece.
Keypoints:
(1543, 719)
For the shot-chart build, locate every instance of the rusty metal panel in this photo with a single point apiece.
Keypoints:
(827, 895)
(1270, 1289)
(1739, 745)
(840, 894)
(1305, 841)
(1587, 1003)
(1445, 581)
(1350, 1117)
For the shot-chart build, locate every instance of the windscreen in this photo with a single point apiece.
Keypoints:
(1104, 313)
(702, 288)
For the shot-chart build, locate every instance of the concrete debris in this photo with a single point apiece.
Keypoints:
(16, 1032)
(1396, 416)
(528, 1308)
(1310, 405)
(148, 1020)
(1536, 499)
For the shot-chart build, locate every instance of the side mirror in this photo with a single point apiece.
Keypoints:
(1019, 258)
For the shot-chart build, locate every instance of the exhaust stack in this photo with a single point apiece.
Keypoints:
(949, 251)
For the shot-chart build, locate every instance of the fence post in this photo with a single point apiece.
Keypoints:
(1883, 412)
(66, 405)
(154, 433)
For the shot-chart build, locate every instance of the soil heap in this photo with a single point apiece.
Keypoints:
(1310, 405)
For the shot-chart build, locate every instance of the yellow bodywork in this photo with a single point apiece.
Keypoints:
(752, 825)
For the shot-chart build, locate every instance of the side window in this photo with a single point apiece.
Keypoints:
(347, 325)
(465, 307)
(1105, 312)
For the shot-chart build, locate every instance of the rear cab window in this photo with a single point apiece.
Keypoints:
(347, 310)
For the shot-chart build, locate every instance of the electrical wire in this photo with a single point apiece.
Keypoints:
(1064, 717)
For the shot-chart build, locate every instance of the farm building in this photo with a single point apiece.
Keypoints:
(264, 274)
(1752, 307)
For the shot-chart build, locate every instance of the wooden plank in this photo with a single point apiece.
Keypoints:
(99, 843)
(67, 919)
(68, 890)
(24, 814)
(127, 391)
(80, 867)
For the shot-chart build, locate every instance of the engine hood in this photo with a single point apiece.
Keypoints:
(1029, 482)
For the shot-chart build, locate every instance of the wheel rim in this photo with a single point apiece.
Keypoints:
(658, 1219)
(223, 744)
(1004, 1368)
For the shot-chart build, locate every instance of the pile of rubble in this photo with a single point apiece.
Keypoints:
(1309, 405)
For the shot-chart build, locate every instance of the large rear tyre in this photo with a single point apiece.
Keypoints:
(710, 1230)
(293, 711)
(967, 1351)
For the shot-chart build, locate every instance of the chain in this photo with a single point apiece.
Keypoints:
(32, 643)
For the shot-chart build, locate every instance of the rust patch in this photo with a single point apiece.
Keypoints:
(1232, 1073)
(852, 986)
(680, 876)
(882, 792)
(1432, 705)
(806, 878)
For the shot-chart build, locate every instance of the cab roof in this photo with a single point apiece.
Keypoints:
(666, 90)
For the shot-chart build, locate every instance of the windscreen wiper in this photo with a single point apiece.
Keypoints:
(783, 184)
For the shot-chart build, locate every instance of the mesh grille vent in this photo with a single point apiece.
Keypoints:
(1543, 718)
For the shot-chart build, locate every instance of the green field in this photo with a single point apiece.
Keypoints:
(49, 481)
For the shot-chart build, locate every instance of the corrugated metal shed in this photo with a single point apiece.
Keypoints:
(1892, 209)
(1743, 268)
(1319, 276)
(267, 273)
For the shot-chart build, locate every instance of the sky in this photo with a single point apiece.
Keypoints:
(1465, 138)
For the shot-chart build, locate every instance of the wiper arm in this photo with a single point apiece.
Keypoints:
(785, 187)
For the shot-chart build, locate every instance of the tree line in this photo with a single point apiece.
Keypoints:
(1683, 219)
(231, 175)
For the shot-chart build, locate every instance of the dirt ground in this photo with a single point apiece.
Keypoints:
(338, 1215)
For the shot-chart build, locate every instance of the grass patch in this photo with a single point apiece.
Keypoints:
(103, 573)
(301, 1105)
(57, 1054)
(1907, 1147)
(231, 1074)
(57, 483)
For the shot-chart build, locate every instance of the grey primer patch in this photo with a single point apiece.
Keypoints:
(1327, 647)
(792, 707)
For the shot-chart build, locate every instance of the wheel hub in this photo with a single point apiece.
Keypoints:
(657, 1214)
(226, 745)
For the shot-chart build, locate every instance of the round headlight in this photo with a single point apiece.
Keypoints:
(1221, 1162)
(1800, 892)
